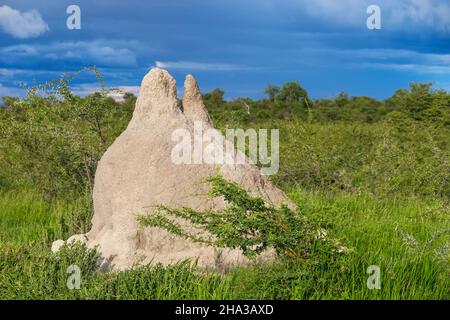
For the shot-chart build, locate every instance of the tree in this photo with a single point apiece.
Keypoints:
(422, 103)
(272, 91)
(53, 139)
(128, 96)
(292, 92)
(342, 99)
(420, 99)
(215, 98)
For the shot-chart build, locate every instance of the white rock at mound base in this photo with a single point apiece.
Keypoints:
(56, 245)
(80, 238)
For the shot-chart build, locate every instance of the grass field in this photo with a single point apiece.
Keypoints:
(405, 238)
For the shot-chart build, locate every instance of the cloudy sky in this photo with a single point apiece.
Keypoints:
(238, 45)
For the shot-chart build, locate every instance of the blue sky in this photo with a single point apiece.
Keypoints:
(240, 46)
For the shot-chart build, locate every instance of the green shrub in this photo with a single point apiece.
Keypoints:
(246, 223)
(396, 157)
(53, 139)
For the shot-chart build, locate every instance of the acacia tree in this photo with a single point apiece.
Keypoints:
(53, 139)
(292, 92)
(272, 91)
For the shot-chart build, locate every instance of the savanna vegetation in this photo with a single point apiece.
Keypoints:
(370, 178)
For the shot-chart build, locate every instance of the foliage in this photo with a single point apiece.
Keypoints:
(53, 139)
(247, 223)
(420, 103)
(397, 157)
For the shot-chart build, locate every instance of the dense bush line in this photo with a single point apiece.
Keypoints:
(356, 144)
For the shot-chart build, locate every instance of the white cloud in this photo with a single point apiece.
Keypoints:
(403, 15)
(336, 11)
(410, 67)
(80, 90)
(85, 89)
(89, 88)
(378, 54)
(20, 50)
(11, 91)
(10, 72)
(197, 66)
(97, 51)
(425, 13)
(17, 74)
(22, 25)
(377, 58)
(404, 60)
(100, 52)
(118, 95)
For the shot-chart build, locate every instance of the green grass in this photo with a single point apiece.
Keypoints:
(392, 234)
(26, 217)
(395, 235)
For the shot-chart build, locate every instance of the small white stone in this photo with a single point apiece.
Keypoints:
(343, 249)
(56, 245)
(81, 238)
(321, 234)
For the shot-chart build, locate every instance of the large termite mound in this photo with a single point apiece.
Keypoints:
(138, 171)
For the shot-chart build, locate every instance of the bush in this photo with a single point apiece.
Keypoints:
(396, 157)
(52, 139)
(246, 223)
